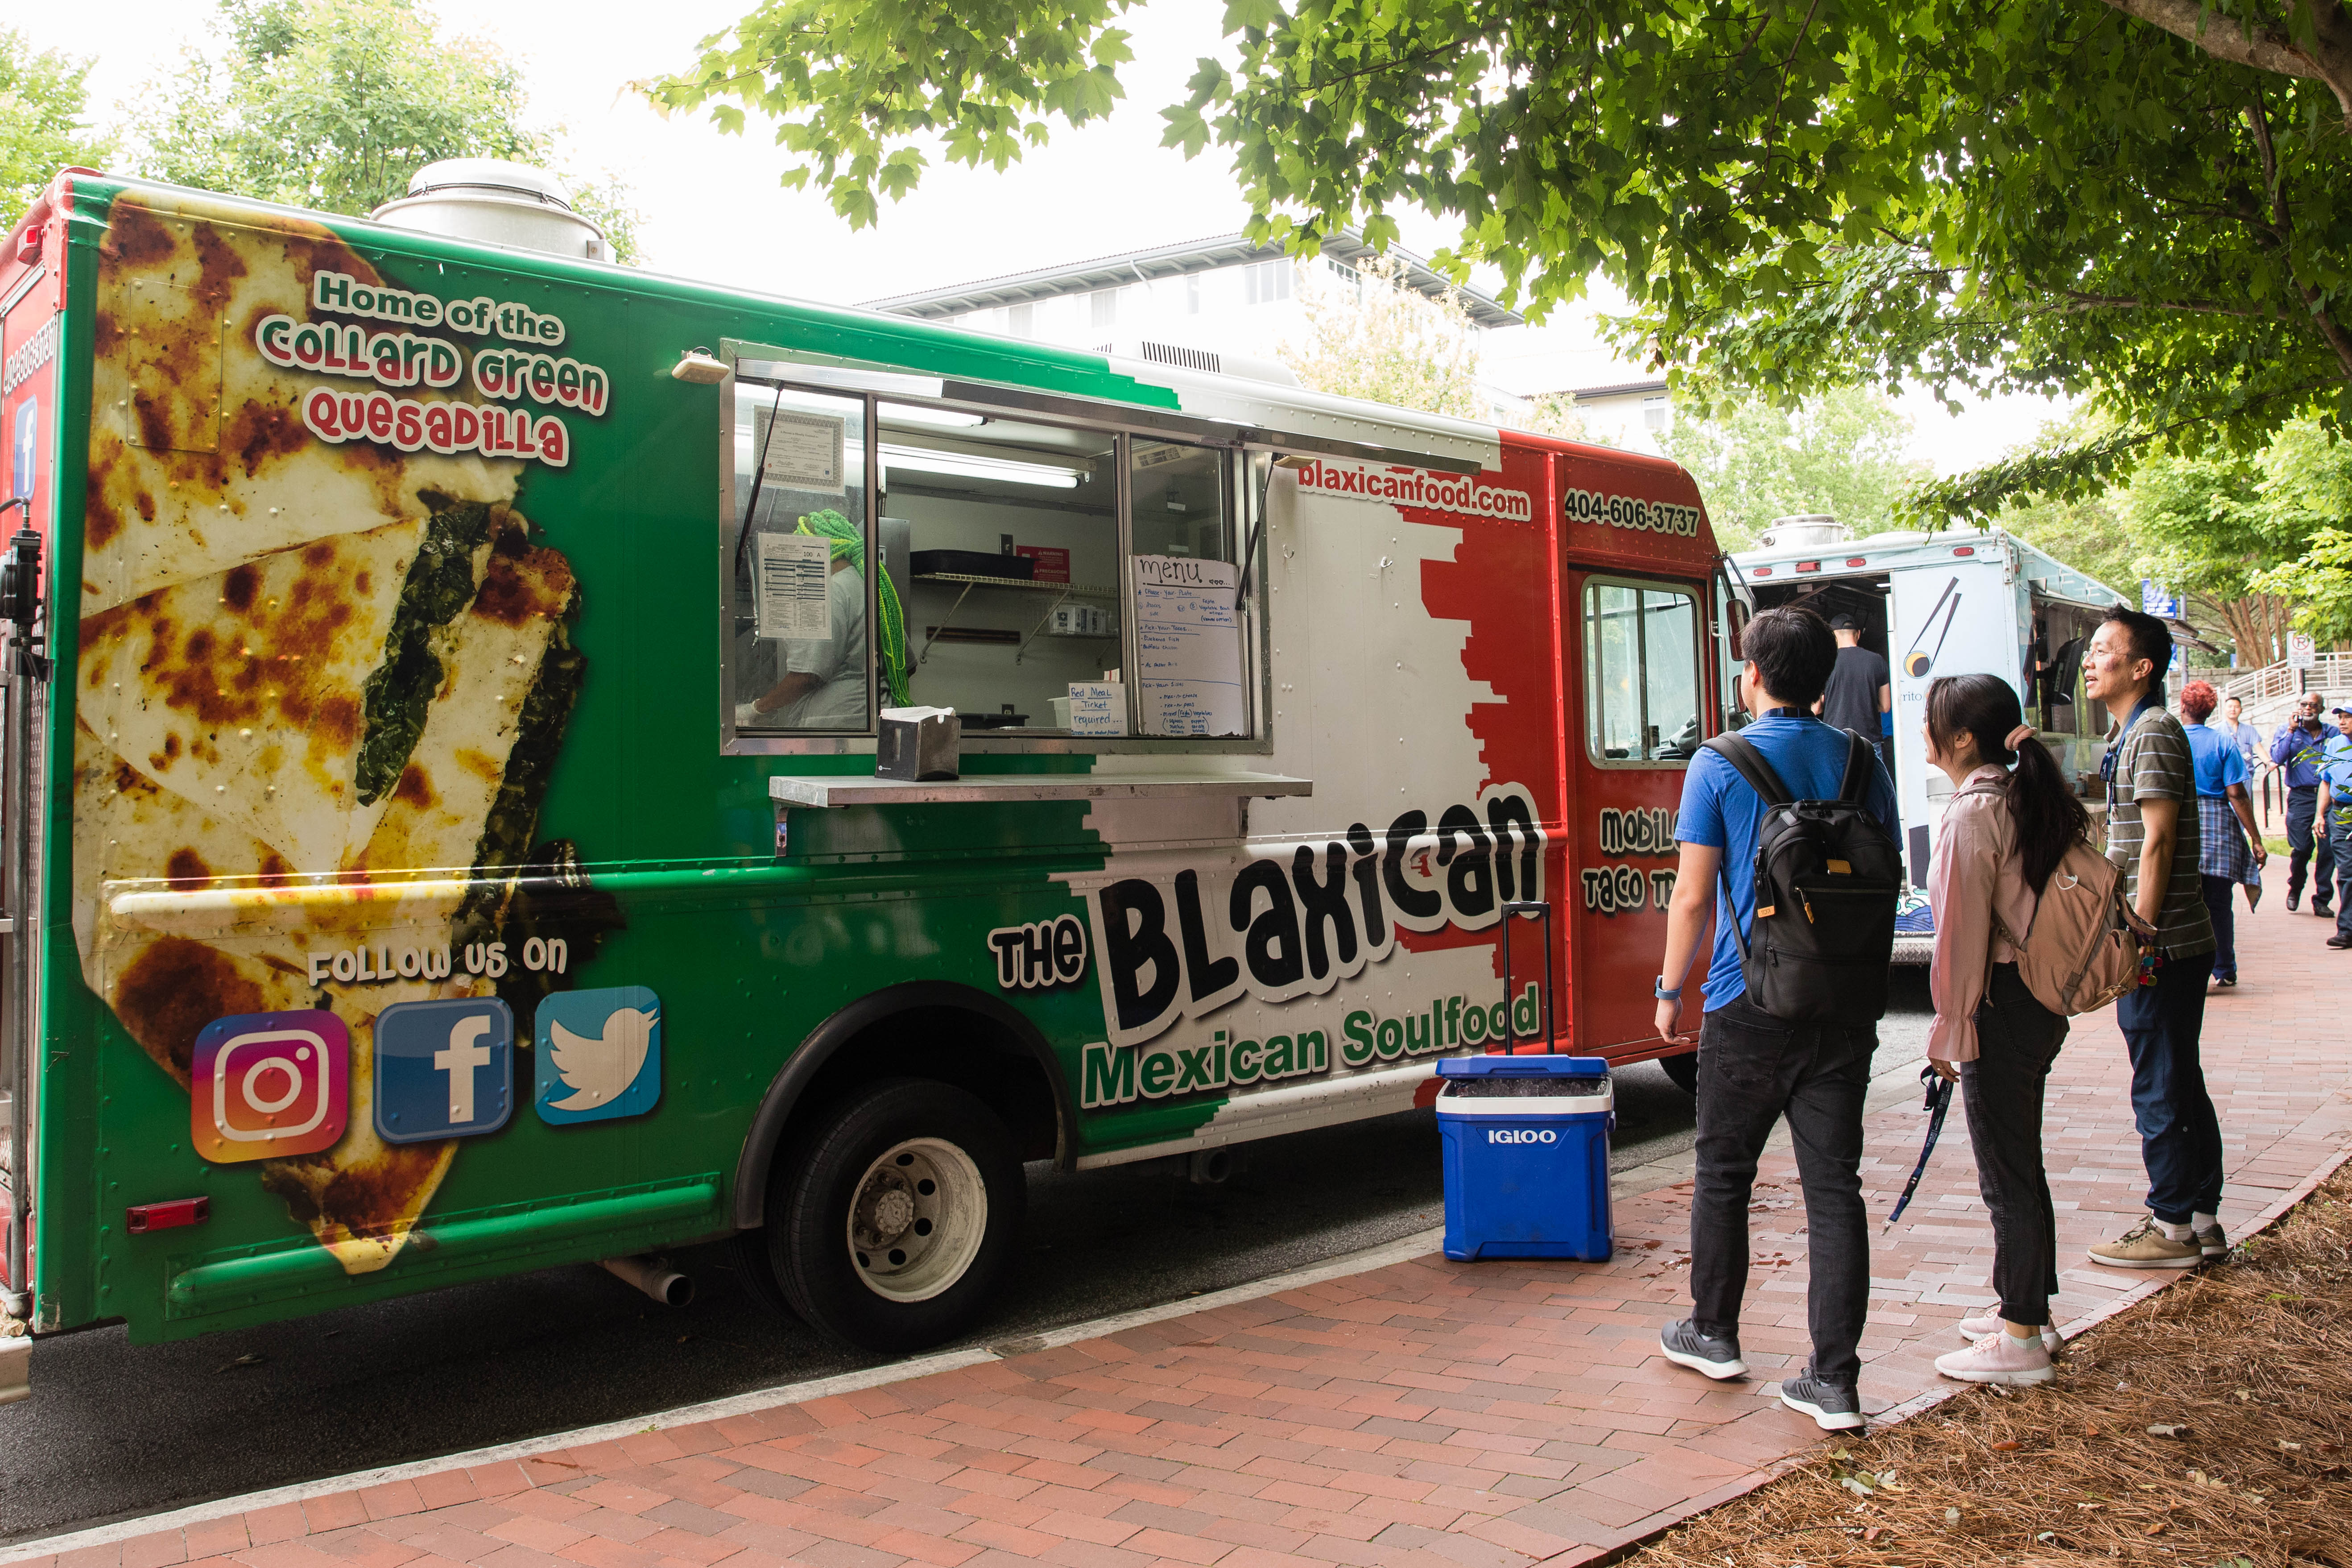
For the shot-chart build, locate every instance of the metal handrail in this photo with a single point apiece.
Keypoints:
(2281, 679)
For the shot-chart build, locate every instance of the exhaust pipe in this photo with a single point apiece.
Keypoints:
(653, 1276)
(1209, 1167)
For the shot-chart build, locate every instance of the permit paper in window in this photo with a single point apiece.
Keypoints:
(802, 451)
(1188, 647)
(792, 587)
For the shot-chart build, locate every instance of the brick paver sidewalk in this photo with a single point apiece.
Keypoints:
(1468, 1415)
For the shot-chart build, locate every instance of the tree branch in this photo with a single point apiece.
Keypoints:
(2327, 61)
(2331, 330)
(2081, 301)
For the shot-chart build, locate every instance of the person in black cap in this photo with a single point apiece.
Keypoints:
(1858, 696)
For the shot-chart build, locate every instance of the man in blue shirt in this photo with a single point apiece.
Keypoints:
(2242, 735)
(2335, 819)
(1753, 1067)
(2297, 749)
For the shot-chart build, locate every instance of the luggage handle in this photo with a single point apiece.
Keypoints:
(1512, 909)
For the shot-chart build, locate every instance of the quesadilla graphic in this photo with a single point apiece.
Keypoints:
(321, 689)
(198, 457)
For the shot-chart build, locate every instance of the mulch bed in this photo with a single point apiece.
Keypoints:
(2210, 1425)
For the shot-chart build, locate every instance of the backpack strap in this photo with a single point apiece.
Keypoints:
(1750, 764)
(1741, 753)
(1859, 756)
(1723, 875)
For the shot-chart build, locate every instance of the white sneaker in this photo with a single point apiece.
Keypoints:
(1974, 1329)
(1999, 1358)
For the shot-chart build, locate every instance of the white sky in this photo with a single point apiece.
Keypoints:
(714, 209)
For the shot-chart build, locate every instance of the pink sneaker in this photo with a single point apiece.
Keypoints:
(1999, 1358)
(1974, 1329)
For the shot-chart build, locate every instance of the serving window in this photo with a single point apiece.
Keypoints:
(1060, 586)
(1641, 674)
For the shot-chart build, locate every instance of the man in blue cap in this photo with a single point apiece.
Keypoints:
(2297, 749)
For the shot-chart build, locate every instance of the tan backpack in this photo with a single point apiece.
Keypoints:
(2082, 947)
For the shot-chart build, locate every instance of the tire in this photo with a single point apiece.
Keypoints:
(1684, 1071)
(892, 1232)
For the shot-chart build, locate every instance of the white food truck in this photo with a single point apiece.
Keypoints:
(1955, 603)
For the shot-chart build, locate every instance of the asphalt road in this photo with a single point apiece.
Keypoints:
(113, 1430)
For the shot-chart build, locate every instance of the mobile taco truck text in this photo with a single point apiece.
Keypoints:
(402, 358)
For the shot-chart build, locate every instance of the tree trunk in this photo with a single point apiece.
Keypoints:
(2326, 58)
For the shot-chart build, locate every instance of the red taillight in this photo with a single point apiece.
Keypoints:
(1809, 565)
(141, 1219)
(1854, 559)
(1965, 550)
(1759, 572)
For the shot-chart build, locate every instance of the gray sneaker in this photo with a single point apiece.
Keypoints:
(1833, 1409)
(2213, 1240)
(1718, 1355)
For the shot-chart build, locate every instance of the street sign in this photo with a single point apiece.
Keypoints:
(2155, 601)
(2302, 652)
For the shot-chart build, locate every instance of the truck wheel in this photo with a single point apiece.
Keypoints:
(892, 1232)
(1683, 1070)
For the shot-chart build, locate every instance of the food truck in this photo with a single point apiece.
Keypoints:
(449, 836)
(1948, 603)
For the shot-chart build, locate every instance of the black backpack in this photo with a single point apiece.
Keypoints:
(1828, 879)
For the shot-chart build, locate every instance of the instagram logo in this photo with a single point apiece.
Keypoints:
(267, 1085)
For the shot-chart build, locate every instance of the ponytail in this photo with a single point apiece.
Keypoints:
(2042, 802)
(2050, 818)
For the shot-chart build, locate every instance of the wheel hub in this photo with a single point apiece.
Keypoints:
(917, 1221)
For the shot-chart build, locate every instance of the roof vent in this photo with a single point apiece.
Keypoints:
(493, 202)
(1210, 360)
(1803, 532)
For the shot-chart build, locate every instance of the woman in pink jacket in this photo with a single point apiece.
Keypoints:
(2003, 832)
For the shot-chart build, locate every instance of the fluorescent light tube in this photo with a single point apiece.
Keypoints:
(965, 466)
(940, 418)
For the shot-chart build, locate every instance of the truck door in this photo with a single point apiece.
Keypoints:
(1640, 660)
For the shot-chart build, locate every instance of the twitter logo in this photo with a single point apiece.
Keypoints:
(599, 1055)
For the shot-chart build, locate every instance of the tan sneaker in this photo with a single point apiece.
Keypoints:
(2144, 1245)
(2212, 1241)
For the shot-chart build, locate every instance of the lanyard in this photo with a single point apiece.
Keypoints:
(2114, 750)
(1938, 1101)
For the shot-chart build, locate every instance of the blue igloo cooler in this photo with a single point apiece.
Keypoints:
(1526, 1156)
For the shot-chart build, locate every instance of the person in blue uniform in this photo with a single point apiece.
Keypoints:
(2335, 817)
(2297, 749)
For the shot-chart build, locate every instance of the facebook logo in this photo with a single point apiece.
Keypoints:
(443, 1069)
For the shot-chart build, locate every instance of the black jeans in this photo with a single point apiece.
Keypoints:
(2337, 836)
(2179, 1136)
(1752, 1069)
(2217, 891)
(2304, 845)
(2017, 1039)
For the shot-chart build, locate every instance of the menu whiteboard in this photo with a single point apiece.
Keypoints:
(1188, 647)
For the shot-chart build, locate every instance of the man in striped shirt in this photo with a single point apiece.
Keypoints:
(2152, 836)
